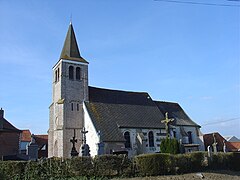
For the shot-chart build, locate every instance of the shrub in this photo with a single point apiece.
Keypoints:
(226, 161)
(109, 165)
(12, 169)
(169, 146)
(234, 161)
(219, 161)
(197, 159)
(183, 163)
(154, 164)
(82, 166)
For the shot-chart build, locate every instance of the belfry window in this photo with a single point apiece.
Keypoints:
(189, 137)
(127, 138)
(151, 139)
(70, 72)
(58, 74)
(77, 107)
(72, 106)
(78, 73)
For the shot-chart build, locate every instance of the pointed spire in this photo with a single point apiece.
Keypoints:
(70, 49)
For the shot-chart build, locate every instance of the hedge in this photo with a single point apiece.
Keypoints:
(108, 166)
(154, 164)
(226, 161)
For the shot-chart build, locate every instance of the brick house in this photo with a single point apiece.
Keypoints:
(9, 137)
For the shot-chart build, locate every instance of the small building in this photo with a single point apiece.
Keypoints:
(221, 142)
(233, 146)
(9, 138)
(209, 140)
(42, 142)
(25, 140)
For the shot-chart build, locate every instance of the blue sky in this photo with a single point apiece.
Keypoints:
(182, 53)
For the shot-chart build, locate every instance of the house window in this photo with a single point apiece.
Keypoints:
(189, 137)
(151, 139)
(70, 72)
(127, 138)
(78, 73)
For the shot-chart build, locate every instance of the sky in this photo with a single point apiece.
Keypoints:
(177, 52)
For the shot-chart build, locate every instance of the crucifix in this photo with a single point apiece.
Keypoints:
(84, 132)
(166, 121)
(73, 141)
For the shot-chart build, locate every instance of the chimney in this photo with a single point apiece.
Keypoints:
(1, 113)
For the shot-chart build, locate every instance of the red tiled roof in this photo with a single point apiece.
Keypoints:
(233, 146)
(26, 135)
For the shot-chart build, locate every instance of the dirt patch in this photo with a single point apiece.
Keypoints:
(213, 175)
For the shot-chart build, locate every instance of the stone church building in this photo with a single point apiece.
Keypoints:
(117, 121)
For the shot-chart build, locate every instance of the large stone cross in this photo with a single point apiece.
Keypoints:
(167, 121)
(73, 141)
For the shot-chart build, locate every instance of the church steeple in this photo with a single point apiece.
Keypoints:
(70, 49)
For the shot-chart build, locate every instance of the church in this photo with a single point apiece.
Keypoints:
(116, 121)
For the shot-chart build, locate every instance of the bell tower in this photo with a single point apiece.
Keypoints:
(70, 89)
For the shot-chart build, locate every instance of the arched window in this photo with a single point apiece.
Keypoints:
(127, 138)
(189, 137)
(151, 139)
(72, 106)
(70, 72)
(58, 74)
(77, 107)
(78, 73)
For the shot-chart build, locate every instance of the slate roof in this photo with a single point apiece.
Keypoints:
(70, 48)
(175, 111)
(113, 109)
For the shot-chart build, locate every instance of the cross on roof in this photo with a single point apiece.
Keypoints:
(166, 121)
